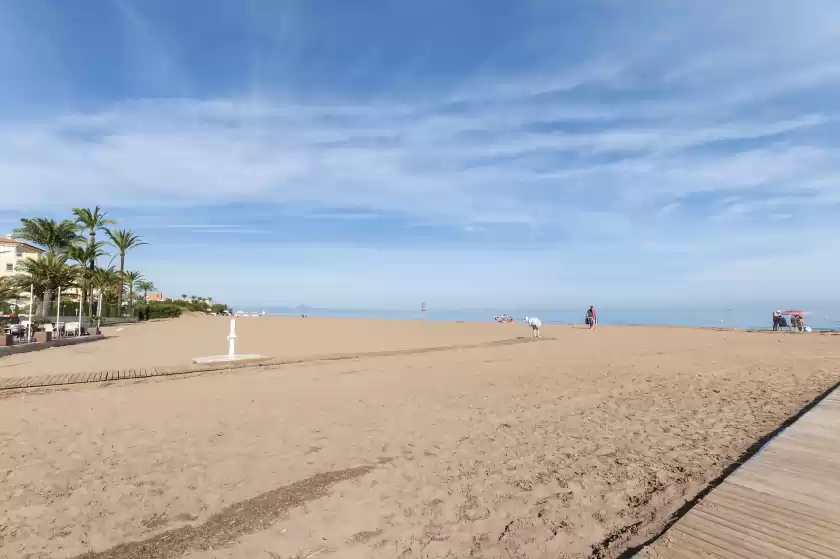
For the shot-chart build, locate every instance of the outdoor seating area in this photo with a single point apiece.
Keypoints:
(70, 329)
(16, 331)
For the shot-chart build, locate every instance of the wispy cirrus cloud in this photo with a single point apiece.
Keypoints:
(407, 161)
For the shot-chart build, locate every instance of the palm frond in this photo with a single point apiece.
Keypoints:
(92, 220)
(124, 240)
(49, 234)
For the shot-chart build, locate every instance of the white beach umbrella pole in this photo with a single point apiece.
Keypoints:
(31, 300)
(58, 314)
(99, 313)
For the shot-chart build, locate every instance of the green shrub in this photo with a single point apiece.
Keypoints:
(192, 306)
(218, 307)
(162, 310)
(68, 308)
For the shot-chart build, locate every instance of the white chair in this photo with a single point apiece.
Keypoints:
(72, 329)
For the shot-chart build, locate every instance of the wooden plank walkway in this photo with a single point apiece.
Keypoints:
(784, 502)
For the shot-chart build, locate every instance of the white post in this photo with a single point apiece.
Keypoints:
(58, 315)
(99, 314)
(232, 338)
(31, 302)
(79, 332)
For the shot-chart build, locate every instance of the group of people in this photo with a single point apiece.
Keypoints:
(535, 323)
(797, 321)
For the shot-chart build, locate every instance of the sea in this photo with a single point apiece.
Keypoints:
(820, 316)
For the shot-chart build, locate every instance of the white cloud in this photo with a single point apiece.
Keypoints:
(496, 147)
(414, 161)
(690, 143)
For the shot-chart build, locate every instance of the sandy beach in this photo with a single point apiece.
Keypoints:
(579, 445)
(177, 342)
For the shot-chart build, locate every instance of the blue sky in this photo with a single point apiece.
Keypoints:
(476, 153)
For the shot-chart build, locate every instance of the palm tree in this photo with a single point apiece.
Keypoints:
(45, 275)
(108, 282)
(123, 240)
(53, 236)
(184, 296)
(132, 280)
(85, 254)
(145, 286)
(93, 221)
(8, 289)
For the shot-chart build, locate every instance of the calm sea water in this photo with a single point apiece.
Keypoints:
(825, 316)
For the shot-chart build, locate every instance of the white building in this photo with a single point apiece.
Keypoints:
(13, 251)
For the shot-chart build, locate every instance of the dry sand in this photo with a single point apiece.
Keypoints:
(177, 342)
(575, 447)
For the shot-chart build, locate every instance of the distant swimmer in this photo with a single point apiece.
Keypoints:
(535, 324)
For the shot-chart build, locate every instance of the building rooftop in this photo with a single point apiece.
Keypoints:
(10, 241)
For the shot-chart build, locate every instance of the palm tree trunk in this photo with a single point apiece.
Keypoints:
(92, 267)
(45, 303)
(92, 240)
(122, 284)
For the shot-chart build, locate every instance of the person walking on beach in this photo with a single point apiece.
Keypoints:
(777, 319)
(535, 324)
(591, 317)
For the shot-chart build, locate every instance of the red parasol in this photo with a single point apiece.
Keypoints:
(795, 311)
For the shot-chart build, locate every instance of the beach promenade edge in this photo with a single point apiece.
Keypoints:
(782, 500)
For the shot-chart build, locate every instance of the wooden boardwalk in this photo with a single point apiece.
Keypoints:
(782, 503)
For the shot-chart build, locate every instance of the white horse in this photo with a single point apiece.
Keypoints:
(535, 324)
